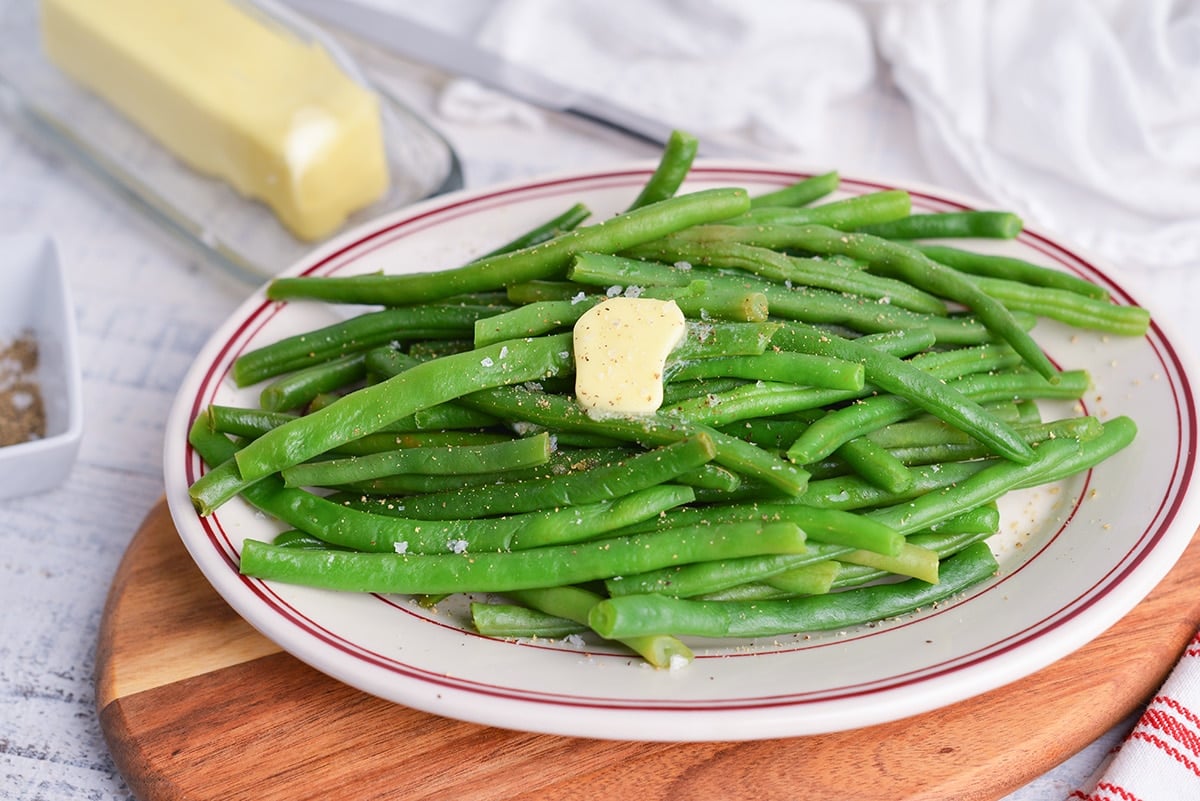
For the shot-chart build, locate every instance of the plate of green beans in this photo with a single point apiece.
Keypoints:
(909, 451)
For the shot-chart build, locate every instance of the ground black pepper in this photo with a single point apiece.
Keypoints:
(22, 413)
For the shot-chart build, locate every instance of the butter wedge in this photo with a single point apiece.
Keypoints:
(232, 95)
(621, 349)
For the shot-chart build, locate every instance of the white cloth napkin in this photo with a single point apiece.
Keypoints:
(1081, 114)
(769, 73)
(1160, 758)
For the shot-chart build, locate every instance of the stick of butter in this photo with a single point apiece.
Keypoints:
(233, 95)
(621, 348)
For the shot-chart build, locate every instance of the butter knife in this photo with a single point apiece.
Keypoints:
(459, 56)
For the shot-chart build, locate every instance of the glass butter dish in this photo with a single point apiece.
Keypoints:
(252, 239)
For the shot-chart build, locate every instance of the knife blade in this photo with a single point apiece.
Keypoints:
(459, 56)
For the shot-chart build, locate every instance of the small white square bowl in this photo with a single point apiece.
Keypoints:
(35, 299)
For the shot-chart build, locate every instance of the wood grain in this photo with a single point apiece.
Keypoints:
(196, 705)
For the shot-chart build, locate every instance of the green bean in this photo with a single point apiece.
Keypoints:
(989, 224)
(772, 433)
(1080, 428)
(518, 532)
(221, 484)
(537, 291)
(982, 519)
(1118, 433)
(587, 521)
(643, 470)
(350, 527)
(711, 477)
(854, 575)
(561, 461)
(385, 440)
(815, 579)
(421, 386)
(295, 538)
(755, 590)
(821, 307)
(701, 300)
(243, 422)
(800, 193)
(1013, 269)
(725, 406)
(900, 378)
(676, 392)
(1024, 384)
(747, 249)
(875, 464)
(558, 413)
(913, 560)
(640, 615)
(532, 319)
(928, 430)
(429, 349)
(574, 603)
(511, 621)
(505, 572)
(297, 388)
(705, 578)
(846, 214)
(839, 426)
(945, 539)
(512, 454)
(707, 340)
(353, 335)
(674, 164)
(987, 485)
(900, 260)
(569, 220)
(696, 300)
(1068, 307)
(546, 260)
(853, 492)
(830, 526)
(450, 415)
(796, 368)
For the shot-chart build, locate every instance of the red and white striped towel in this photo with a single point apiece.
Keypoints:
(1160, 758)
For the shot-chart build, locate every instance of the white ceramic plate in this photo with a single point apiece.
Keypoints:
(1075, 557)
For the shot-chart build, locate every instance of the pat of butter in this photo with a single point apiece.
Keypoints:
(621, 349)
(232, 95)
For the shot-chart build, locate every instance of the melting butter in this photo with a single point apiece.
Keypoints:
(621, 349)
(232, 95)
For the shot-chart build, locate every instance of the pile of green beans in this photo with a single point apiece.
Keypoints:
(848, 405)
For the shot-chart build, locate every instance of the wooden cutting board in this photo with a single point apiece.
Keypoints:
(197, 706)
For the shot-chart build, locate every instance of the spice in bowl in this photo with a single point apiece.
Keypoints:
(22, 413)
